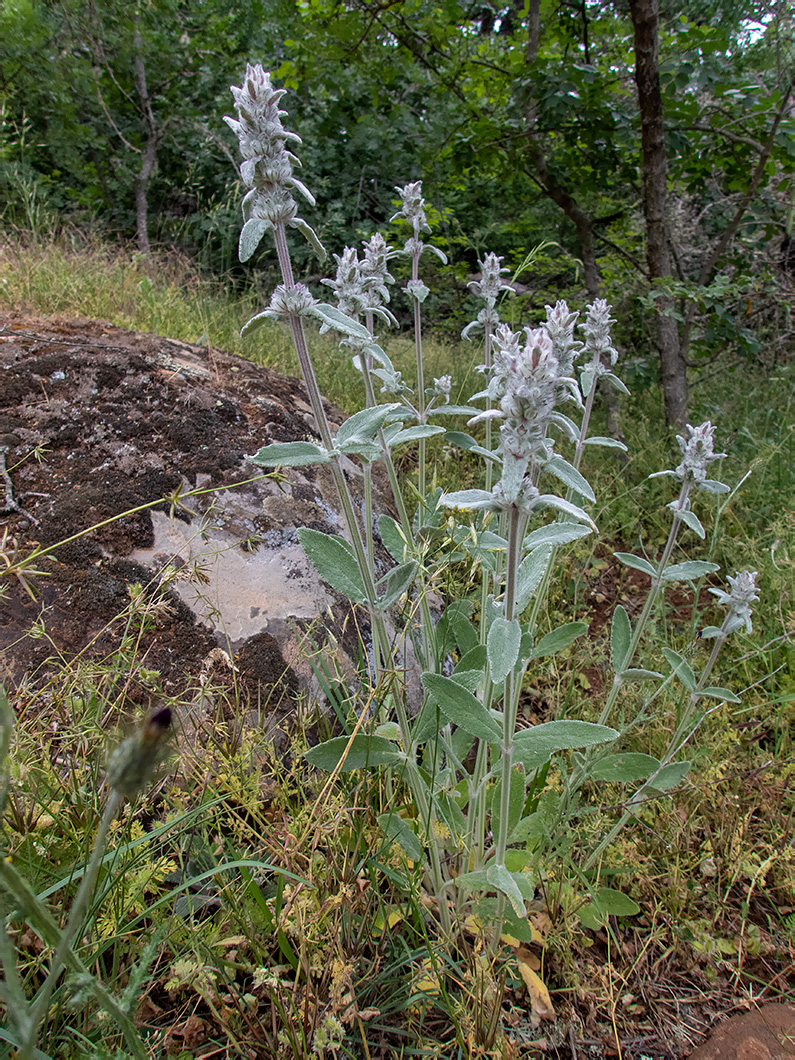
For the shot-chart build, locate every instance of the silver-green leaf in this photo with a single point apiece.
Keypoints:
(503, 648)
(357, 753)
(335, 561)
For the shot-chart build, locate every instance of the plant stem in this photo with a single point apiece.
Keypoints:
(380, 639)
(415, 275)
(516, 523)
(39, 916)
(675, 744)
(40, 1004)
(651, 599)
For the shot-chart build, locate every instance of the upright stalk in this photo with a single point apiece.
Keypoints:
(651, 599)
(380, 639)
(39, 1007)
(415, 275)
(516, 524)
(675, 744)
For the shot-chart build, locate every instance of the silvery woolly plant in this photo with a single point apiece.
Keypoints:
(473, 829)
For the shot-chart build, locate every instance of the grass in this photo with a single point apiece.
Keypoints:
(251, 962)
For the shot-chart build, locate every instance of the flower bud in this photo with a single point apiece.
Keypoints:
(697, 452)
(134, 761)
(742, 593)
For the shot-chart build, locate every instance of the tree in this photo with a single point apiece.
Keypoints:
(655, 199)
(558, 107)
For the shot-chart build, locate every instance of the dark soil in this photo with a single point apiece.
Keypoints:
(95, 421)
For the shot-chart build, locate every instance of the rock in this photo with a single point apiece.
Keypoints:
(767, 1033)
(100, 422)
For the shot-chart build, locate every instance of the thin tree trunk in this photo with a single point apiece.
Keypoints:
(645, 22)
(149, 156)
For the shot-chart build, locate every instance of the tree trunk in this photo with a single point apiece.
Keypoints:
(149, 156)
(645, 22)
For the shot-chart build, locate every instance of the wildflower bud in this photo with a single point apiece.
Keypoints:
(134, 761)
(597, 333)
(268, 165)
(297, 299)
(560, 328)
(348, 284)
(697, 452)
(413, 208)
(490, 284)
(267, 168)
(443, 386)
(375, 275)
(742, 593)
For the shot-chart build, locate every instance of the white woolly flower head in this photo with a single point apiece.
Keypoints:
(598, 342)
(442, 387)
(348, 284)
(413, 208)
(560, 327)
(742, 593)
(531, 380)
(697, 451)
(296, 299)
(374, 269)
(268, 165)
(490, 284)
(267, 169)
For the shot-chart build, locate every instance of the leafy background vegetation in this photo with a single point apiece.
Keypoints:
(248, 962)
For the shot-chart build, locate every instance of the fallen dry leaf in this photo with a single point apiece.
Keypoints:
(540, 1000)
(527, 957)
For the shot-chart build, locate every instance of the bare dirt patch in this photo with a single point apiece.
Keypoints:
(96, 421)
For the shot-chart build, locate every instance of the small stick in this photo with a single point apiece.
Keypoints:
(10, 505)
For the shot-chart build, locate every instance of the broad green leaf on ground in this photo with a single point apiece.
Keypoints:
(606, 902)
(357, 753)
(624, 768)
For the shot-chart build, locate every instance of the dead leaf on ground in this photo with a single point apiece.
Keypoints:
(540, 1001)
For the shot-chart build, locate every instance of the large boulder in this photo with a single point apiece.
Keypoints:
(95, 422)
